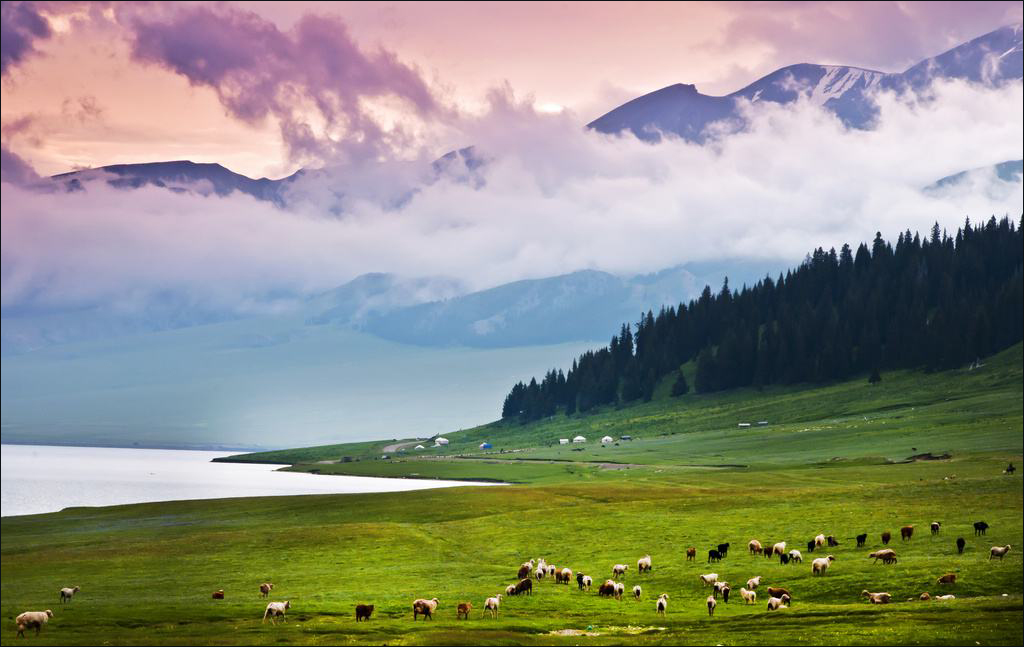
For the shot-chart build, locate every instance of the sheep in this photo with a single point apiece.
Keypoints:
(948, 596)
(637, 591)
(999, 551)
(935, 527)
(709, 579)
(980, 528)
(795, 556)
(67, 593)
(714, 556)
(779, 548)
(960, 543)
(711, 605)
(810, 546)
(749, 597)
(754, 547)
(218, 595)
(777, 592)
(886, 536)
(524, 585)
(691, 552)
(662, 604)
(462, 611)
(831, 541)
(563, 576)
(820, 565)
(723, 549)
(275, 609)
(492, 604)
(718, 587)
(607, 589)
(819, 541)
(725, 593)
(784, 558)
(887, 555)
(643, 564)
(579, 580)
(925, 596)
(619, 570)
(265, 589)
(774, 604)
(363, 612)
(539, 573)
(877, 598)
(620, 588)
(552, 569)
(948, 578)
(425, 608)
(587, 582)
(862, 539)
(524, 571)
(769, 550)
(510, 589)
(32, 620)
(754, 582)
(906, 533)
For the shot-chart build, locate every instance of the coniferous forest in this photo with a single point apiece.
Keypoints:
(935, 303)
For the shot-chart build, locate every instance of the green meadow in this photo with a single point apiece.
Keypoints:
(835, 460)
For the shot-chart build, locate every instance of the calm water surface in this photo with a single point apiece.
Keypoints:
(41, 478)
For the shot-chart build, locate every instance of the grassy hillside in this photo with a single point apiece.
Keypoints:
(831, 461)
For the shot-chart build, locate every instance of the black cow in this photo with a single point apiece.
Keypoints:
(714, 556)
(960, 543)
(980, 527)
(861, 539)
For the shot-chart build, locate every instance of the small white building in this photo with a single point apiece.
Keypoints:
(563, 441)
(579, 439)
(443, 442)
(762, 422)
(743, 424)
(607, 440)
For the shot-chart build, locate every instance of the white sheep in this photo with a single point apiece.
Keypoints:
(709, 579)
(587, 582)
(619, 570)
(510, 589)
(754, 547)
(945, 597)
(643, 564)
(754, 582)
(637, 591)
(662, 604)
(551, 569)
(779, 548)
(775, 603)
(749, 597)
(877, 598)
(539, 573)
(67, 593)
(424, 607)
(712, 603)
(819, 541)
(718, 586)
(32, 620)
(275, 609)
(795, 556)
(620, 588)
(820, 565)
(999, 551)
(492, 604)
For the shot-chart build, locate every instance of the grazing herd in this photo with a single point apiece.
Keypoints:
(778, 597)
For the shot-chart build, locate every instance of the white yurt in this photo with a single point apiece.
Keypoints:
(579, 439)
(607, 440)
(441, 441)
(563, 441)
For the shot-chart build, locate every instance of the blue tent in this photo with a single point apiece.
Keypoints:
(485, 445)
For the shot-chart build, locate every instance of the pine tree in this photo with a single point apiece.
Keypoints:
(680, 387)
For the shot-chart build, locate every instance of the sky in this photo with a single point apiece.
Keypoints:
(102, 84)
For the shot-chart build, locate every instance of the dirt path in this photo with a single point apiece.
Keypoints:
(390, 449)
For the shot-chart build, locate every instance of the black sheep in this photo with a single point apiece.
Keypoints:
(960, 543)
(714, 556)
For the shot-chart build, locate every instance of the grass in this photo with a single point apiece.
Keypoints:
(830, 461)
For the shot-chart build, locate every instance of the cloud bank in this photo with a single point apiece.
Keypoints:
(554, 198)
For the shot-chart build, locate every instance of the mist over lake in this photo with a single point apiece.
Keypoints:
(43, 478)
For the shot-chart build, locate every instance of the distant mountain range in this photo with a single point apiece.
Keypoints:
(680, 109)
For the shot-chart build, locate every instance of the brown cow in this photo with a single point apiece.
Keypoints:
(265, 589)
(524, 571)
(691, 552)
(463, 610)
(363, 611)
(906, 532)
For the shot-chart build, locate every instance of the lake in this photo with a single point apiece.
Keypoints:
(43, 478)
